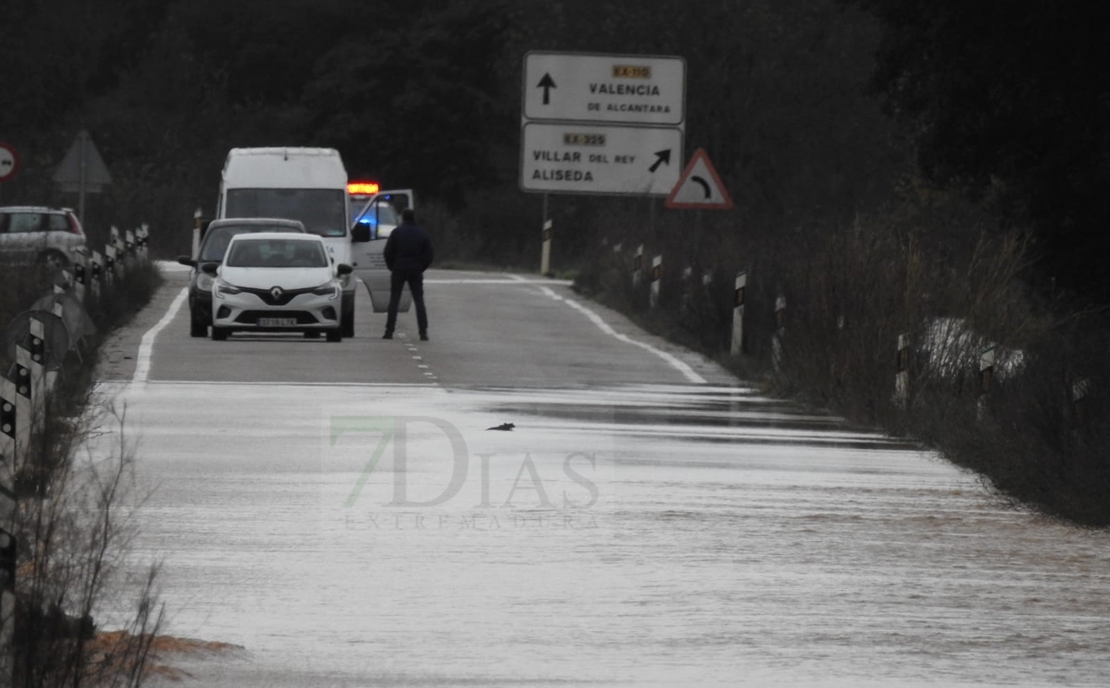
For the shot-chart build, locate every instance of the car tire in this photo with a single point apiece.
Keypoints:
(219, 334)
(335, 335)
(347, 324)
(197, 328)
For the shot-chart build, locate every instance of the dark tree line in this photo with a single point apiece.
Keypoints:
(1010, 99)
(1002, 102)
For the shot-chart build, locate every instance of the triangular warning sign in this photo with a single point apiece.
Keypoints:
(82, 154)
(699, 186)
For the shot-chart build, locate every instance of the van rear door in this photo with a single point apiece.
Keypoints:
(380, 213)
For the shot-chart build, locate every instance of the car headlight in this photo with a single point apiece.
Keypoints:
(330, 290)
(221, 288)
(204, 282)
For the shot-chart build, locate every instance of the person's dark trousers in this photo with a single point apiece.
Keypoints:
(397, 281)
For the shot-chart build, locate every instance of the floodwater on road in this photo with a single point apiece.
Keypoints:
(637, 536)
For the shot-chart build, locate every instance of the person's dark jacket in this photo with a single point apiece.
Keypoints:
(408, 248)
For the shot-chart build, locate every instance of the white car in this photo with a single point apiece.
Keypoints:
(35, 234)
(276, 282)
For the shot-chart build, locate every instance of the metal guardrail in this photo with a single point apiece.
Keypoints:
(39, 341)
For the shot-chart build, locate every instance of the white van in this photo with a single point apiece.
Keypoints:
(309, 185)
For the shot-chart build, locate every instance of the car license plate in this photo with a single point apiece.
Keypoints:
(277, 322)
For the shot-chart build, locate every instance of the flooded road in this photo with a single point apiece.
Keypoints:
(342, 513)
(380, 535)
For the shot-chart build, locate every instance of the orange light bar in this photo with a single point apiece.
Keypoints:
(362, 187)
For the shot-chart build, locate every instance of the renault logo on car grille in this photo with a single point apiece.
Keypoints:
(276, 293)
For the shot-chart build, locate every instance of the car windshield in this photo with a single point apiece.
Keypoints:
(276, 253)
(321, 211)
(216, 239)
(380, 213)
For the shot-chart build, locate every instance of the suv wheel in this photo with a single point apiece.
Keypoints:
(335, 335)
(219, 334)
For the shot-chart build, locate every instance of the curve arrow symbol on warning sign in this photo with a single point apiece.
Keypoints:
(699, 187)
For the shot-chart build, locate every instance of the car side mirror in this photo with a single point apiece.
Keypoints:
(343, 269)
(209, 268)
(186, 260)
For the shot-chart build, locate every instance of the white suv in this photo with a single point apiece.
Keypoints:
(35, 234)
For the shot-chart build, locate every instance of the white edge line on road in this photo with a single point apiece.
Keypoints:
(241, 383)
(146, 347)
(518, 280)
(678, 365)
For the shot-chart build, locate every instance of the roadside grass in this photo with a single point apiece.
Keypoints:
(1038, 433)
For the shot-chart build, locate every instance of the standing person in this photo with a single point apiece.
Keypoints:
(408, 253)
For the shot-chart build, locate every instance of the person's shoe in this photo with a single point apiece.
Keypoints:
(387, 335)
(423, 336)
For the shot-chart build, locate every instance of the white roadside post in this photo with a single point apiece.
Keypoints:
(780, 328)
(902, 376)
(986, 377)
(197, 215)
(737, 346)
(109, 264)
(656, 274)
(545, 258)
(120, 254)
(1079, 391)
(8, 506)
(37, 363)
(80, 275)
(23, 418)
(637, 265)
(97, 273)
(144, 237)
(687, 289)
(130, 247)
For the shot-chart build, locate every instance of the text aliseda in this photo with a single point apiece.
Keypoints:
(576, 157)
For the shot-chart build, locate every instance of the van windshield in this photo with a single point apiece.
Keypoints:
(322, 211)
